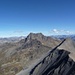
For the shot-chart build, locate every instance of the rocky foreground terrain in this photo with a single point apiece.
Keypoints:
(38, 55)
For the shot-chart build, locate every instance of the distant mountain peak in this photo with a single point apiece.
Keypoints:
(31, 36)
(47, 41)
(35, 35)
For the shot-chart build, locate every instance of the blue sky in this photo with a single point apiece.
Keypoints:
(51, 17)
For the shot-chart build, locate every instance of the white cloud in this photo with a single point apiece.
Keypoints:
(56, 31)
(69, 32)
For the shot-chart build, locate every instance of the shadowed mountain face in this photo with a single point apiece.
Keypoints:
(20, 55)
(58, 61)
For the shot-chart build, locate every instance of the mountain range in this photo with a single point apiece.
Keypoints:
(64, 36)
(38, 54)
(10, 39)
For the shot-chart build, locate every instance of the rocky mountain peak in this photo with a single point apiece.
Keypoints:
(45, 40)
(37, 36)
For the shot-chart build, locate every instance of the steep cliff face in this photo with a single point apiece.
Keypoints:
(55, 62)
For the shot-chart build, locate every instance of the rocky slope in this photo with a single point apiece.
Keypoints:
(58, 61)
(20, 55)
